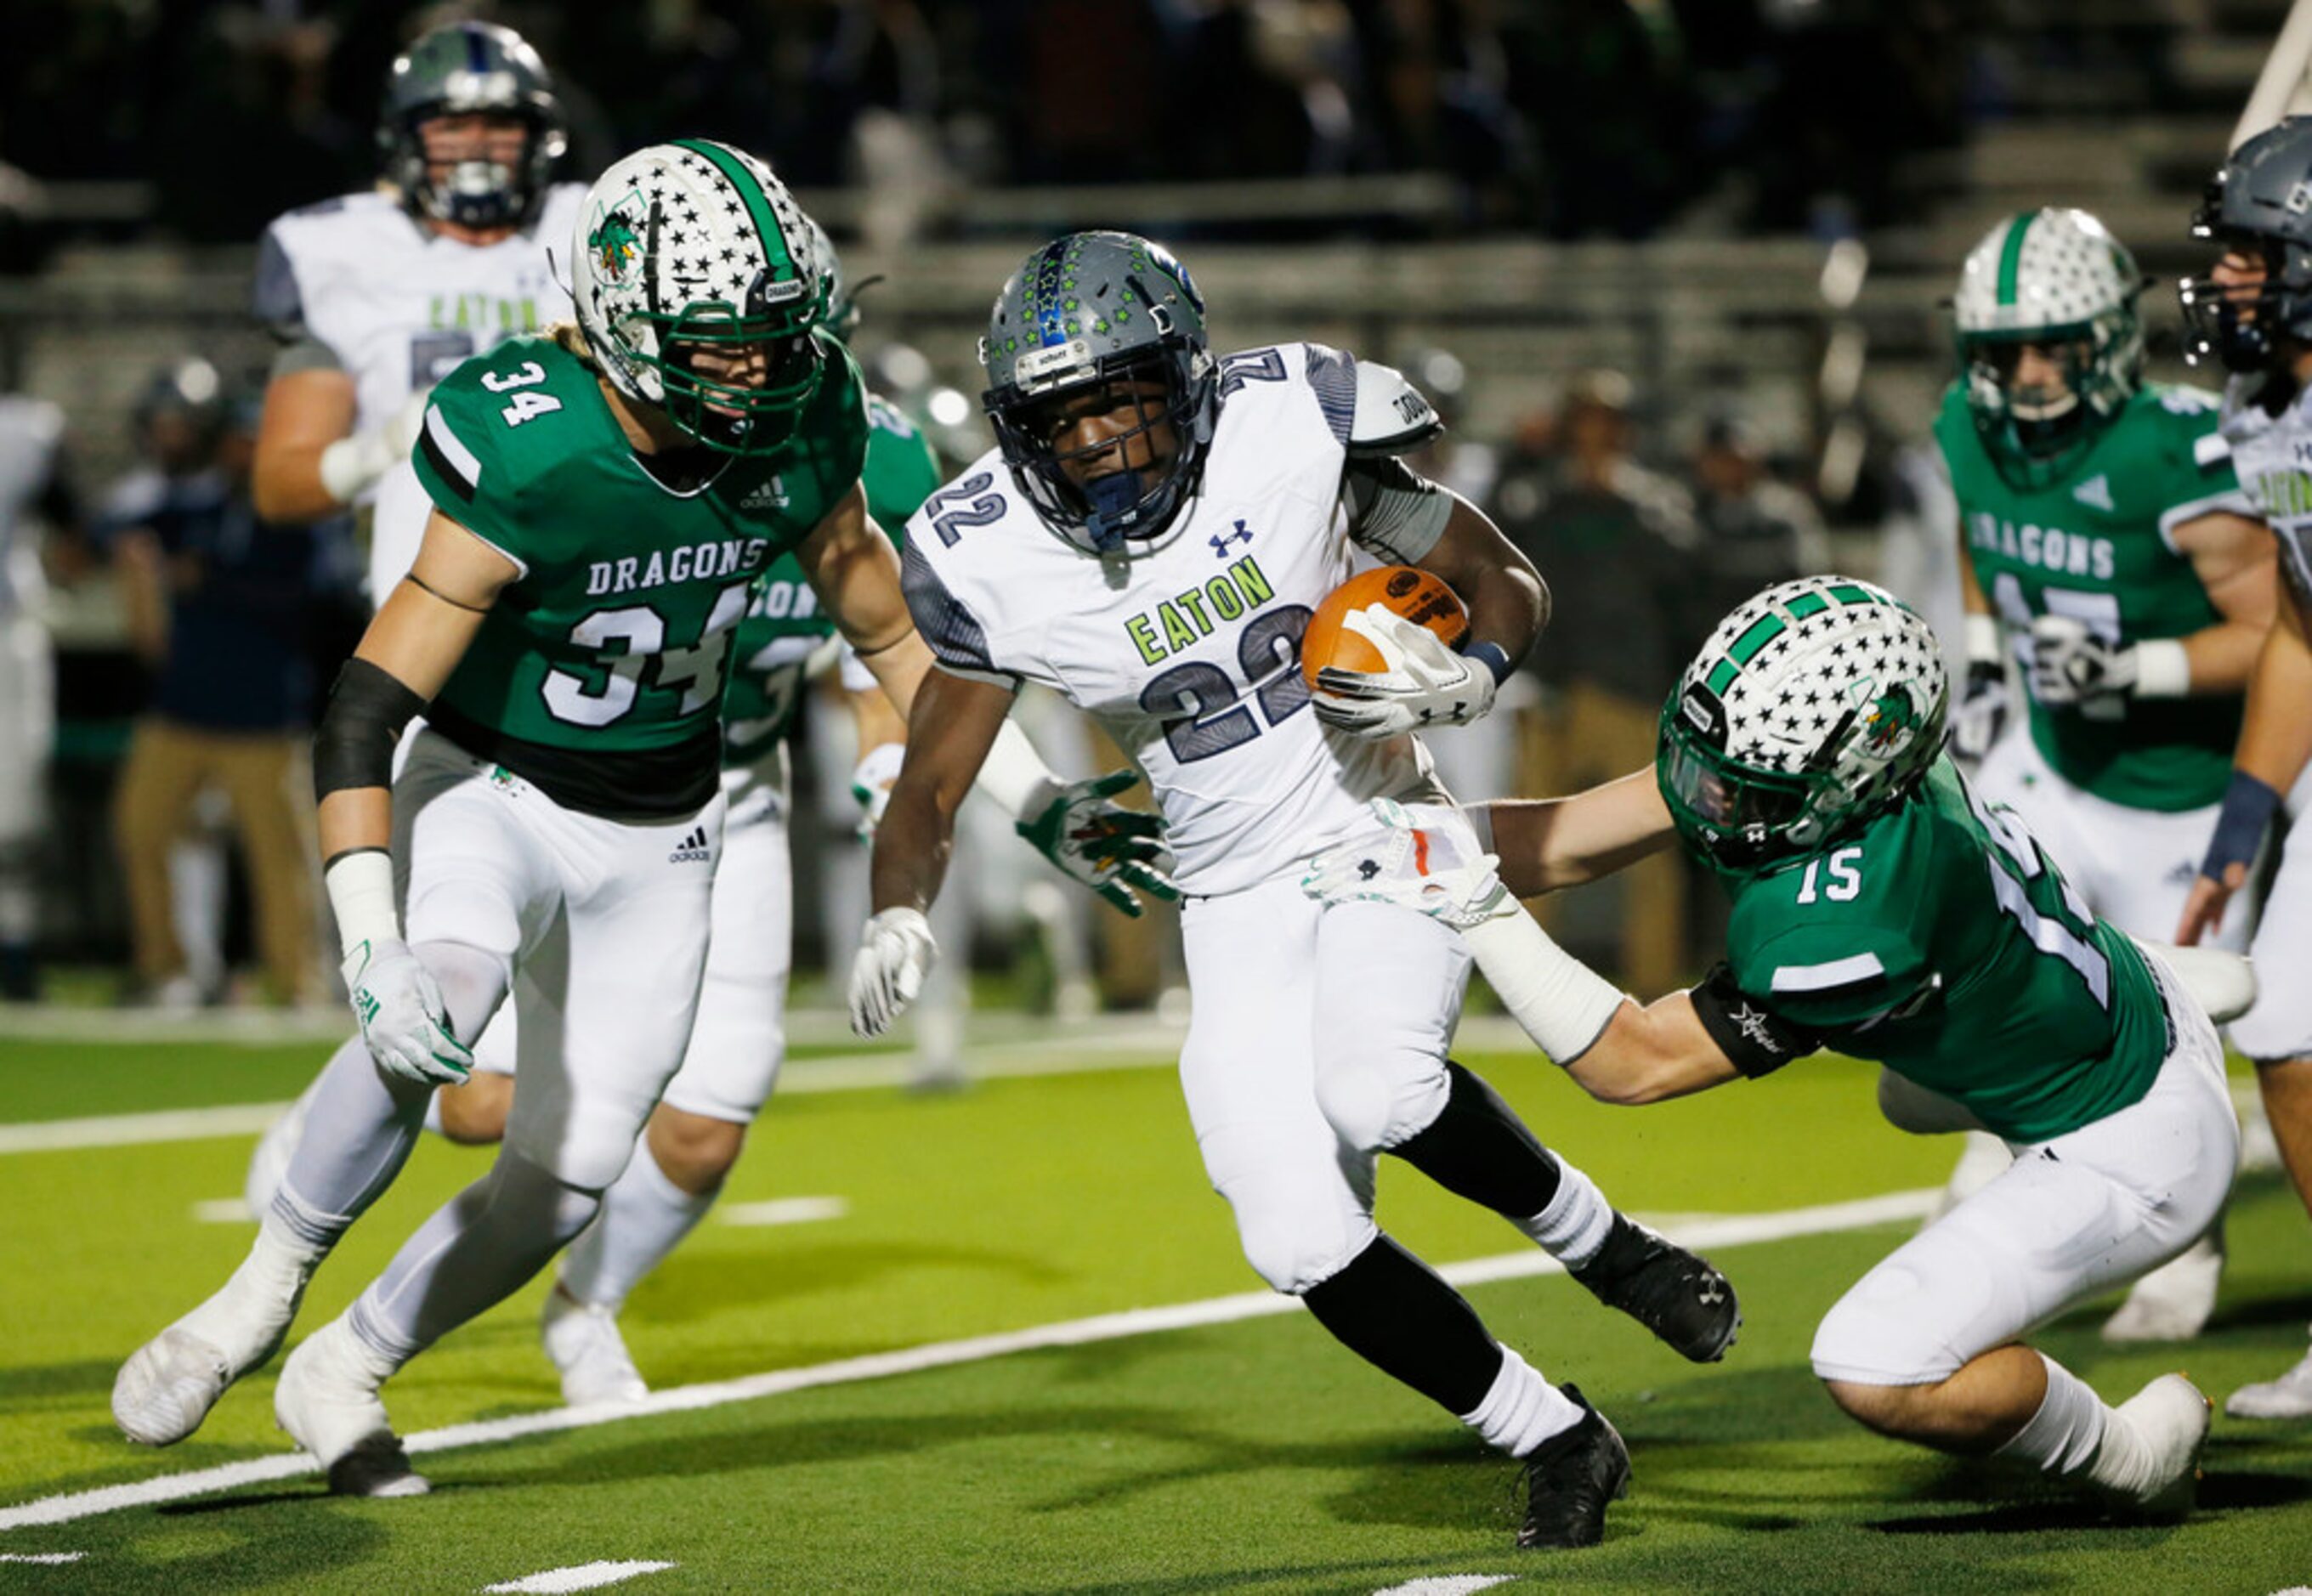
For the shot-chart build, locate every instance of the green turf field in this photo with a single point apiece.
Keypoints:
(1243, 1455)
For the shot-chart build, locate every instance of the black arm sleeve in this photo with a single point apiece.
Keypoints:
(353, 747)
(1758, 1042)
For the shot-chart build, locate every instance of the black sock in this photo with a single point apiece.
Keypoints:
(1478, 1148)
(1397, 1314)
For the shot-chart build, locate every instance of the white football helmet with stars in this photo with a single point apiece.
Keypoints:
(691, 245)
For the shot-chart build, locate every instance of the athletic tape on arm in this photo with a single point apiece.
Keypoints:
(1562, 1003)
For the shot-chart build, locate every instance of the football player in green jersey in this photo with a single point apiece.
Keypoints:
(2107, 546)
(1881, 907)
(606, 499)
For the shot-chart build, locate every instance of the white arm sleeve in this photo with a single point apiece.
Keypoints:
(1562, 1003)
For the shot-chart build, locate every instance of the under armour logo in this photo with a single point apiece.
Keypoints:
(1220, 543)
(1366, 868)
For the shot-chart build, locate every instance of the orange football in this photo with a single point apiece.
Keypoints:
(1407, 590)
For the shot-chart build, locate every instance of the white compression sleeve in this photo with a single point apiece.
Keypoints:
(1016, 777)
(1562, 1003)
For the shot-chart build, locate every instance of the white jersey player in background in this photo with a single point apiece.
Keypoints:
(375, 296)
(31, 436)
(2253, 311)
(1150, 539)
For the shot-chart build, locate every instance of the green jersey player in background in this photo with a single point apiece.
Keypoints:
(2253, 311)
(606, 499)
(1882, 909)
(2105, 546)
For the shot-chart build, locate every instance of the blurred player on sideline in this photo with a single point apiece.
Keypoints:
(2105, 545)
(2253, 313)
(31, 488)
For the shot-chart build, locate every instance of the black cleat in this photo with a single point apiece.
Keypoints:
(1570, 1478)
(1676, 1293)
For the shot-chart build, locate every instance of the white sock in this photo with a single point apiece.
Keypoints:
(259, 1300)
(2073, 1429)
(1521, 1410)
(1577, 1221)
(644, 1216)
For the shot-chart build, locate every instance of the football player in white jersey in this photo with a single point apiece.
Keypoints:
(2254, 312)
(376, 296)
(1150, 538)
(31, 435)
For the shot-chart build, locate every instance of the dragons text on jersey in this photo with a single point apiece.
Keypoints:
(599, 672)
(2096, 542)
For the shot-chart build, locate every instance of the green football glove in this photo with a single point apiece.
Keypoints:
(1109, 848)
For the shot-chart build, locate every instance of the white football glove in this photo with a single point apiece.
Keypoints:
(895, 952)
(1101, 844)
(352, 463)
(2070, 665)
(1426, 683)
(1428, 859)
(872, 782)
(403, 1020)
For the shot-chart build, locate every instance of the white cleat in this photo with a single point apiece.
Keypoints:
(275, 1148)
(168, 1385)
(583, 1340)
(2170, 1417)
(2173, 1302)
(326, 1400)
(2288, 1397)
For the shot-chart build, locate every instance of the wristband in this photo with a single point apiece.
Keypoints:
(1495, 658)
(1755, 1041)
(2240, 825)
(360, 883)
(1985, 641)
(1016, 777)
(2163, 669)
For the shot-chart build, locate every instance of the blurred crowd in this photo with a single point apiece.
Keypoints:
(1567, 116)
(172, 841)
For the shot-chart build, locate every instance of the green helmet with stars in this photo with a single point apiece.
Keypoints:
(1815, 706)
(2055, 279)
(1088, 310)
(691, 248)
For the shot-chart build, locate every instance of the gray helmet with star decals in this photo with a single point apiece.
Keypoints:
(2259, 203)
(1815, 706)
(693, 247)
(1092, 310)
(456, 70)
(2055, 279)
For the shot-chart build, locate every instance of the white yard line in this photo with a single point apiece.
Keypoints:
(128, 1131)
(585, 1576)
(784, 1210)
(1726, 1230)
(1449, 1584)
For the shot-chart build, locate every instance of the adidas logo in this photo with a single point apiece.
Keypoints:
(692, 849)
(768, 495)
(2095, 493)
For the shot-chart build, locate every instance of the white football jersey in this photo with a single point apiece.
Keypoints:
(30, 431)
(1189, 653)
(2274, 456)
(402, 307)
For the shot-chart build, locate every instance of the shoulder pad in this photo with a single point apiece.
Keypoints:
(1393, 417)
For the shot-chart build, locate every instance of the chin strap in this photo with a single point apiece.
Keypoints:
(1112, 498)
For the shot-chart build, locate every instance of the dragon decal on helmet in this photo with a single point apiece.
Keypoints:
(458, 70)
(2054, 280)
(1094, 311)
(1814, 707)
(692, 249)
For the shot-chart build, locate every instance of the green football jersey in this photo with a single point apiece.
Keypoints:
(598, 673)
(785, 626)
(2096, 545)
(1942, 942)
